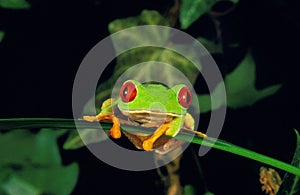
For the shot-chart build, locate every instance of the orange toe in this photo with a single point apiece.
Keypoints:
(115, 133)
(147, 145)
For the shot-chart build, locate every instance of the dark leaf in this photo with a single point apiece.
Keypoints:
(191, 10)
(14, 4)
(240, 88)
(29, 161)
(1, 35)
(291, 183)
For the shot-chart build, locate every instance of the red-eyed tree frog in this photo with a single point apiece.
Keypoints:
(150, 105)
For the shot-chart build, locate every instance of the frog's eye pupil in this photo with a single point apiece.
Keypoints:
(128, 92)
(185, 97)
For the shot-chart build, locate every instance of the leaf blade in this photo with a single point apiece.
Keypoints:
(191, 10)
(240, 88)
(291, 183)
(32, 161)
(184, 136)
(14, 4)
(1, 35)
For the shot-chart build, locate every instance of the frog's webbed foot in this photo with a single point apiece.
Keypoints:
(200, 134)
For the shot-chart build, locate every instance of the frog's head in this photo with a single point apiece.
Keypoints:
(154, 98)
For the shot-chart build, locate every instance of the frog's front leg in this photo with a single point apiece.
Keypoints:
(171, 129)
(107, 114)
(115, 131)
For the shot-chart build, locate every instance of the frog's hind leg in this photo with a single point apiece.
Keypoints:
(148, 143)
(170, 129)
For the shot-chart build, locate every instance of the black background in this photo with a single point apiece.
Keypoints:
(44, 46)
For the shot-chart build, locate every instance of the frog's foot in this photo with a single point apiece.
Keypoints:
(90, 118)
(148, 143)
(115, 131)
(200, 134)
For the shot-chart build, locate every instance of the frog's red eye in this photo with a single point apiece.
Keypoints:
(185, 97)
(128, 92)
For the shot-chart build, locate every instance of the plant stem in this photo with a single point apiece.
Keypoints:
(59, 123)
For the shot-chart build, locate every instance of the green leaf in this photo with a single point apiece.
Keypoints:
(136, 56)
(291, 183)
(43, 180)
(240, 88)
(14, 4)
(240, 85)
(74, 141)
(147, 17)
(63, 178)
(189, 190)
(1, 35)
(209, 193)
(32, 160)
(89, 136)
(217, 96)
(191, 10)
(211, 46)
(145, 54)
(42, 145)
(15, 185)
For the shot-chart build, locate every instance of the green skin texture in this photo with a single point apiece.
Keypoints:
(158, 99)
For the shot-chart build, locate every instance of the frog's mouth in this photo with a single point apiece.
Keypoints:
(152, 117)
